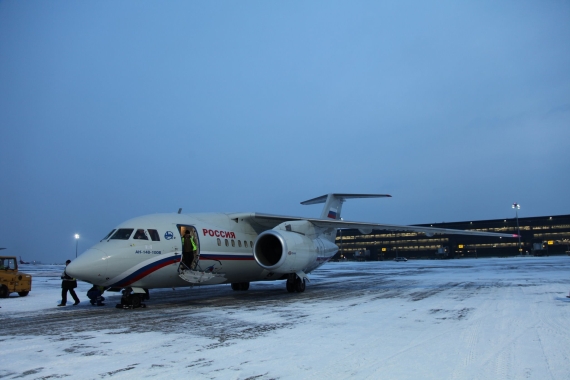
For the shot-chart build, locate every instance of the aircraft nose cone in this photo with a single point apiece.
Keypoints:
(91, 267)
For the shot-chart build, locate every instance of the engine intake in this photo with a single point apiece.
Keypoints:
(283, 251)
(268, 250)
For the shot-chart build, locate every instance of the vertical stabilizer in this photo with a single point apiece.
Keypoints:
(333, 203)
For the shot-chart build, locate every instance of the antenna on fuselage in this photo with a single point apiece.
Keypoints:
(180, 210)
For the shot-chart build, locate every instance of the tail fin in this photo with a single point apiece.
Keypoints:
(333, 203)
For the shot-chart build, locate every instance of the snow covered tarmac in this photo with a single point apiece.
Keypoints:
(455, 319)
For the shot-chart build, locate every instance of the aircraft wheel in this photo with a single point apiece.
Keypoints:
(24, 293)
(290, 286)
(4, 293)
(235, 286)
(300, 285)
(136, 300)
(244, 286)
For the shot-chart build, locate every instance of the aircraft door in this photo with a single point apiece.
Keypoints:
(190, 247)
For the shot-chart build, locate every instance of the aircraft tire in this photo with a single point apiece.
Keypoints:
(24, 293)
(300, 285)
(136, 301)
(240, 286)
(4, 293)
(290, 286)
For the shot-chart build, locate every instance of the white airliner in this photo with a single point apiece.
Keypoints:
(235, 248)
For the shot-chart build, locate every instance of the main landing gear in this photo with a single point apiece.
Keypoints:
(295, 283)
(240, 285)
(131, 300)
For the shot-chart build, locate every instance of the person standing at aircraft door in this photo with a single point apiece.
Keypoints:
(68, 284)
(195, 254)
(188, 249)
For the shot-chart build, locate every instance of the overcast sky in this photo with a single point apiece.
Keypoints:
(111, 110)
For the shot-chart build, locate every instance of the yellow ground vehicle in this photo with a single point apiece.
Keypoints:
(11, 280)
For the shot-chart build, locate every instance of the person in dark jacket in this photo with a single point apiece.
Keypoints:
(68, 284)
(95, 295)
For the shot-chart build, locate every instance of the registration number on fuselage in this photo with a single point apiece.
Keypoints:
(144, 252)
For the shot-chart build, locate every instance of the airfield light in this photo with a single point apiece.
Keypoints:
(517, 207)
(76, 242)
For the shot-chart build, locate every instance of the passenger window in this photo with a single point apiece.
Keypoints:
(154, 235)
(245, 243)
(140, 235)
(122, 234)
(227, 243)
(251, 244)
(219, 242)
(109, 234)
(239, 243)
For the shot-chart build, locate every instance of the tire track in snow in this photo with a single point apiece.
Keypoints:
(445, 291)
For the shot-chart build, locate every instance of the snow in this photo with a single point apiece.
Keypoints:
(456, 319)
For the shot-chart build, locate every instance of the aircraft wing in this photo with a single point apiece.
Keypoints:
(270, 221)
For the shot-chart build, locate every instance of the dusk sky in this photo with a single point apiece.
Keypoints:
(112, 110)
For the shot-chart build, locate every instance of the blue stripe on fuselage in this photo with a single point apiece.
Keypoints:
(213, 256)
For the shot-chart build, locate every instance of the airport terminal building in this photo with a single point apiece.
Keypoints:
(539, 236)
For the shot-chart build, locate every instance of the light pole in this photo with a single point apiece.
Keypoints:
(517, 207)
(76, 242)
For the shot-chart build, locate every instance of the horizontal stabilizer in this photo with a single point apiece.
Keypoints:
(323, 198)
(333, 202)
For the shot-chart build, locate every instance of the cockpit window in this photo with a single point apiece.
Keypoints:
(109, 234)
(123, 233)
(154, 235)
(140, 235)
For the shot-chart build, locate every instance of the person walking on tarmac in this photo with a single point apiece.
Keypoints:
(68, 284)
(188, 250)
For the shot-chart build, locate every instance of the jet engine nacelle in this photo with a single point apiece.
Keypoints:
(284, 251)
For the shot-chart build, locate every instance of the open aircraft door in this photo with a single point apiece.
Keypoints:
(187, 259)
(190, 269)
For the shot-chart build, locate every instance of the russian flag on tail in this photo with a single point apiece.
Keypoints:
(332, 213)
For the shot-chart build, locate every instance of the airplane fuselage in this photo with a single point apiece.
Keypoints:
(224, 242)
